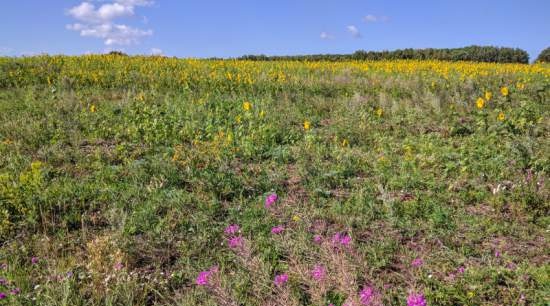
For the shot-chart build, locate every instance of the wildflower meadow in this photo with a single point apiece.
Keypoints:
(133, 180)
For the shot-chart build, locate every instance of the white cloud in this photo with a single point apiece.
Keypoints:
(156, 51)
(373, 18)
(100, 22)
(326, 36)
(354, 31)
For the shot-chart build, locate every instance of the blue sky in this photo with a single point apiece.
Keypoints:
(231, 28)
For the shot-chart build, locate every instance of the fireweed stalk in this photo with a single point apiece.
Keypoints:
(211, 281)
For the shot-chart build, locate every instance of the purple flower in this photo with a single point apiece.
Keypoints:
(15, 291)
(232, 229)
(3, 266)
(497, 254)
(280, 279)
(317, 239)
(3, 295)
(341, 239)
(203, 278)
(318, 273)
(460, 270)
(416, 300)
(3, 282)
(34, 260)
(366, 295)
(236, 242)
(118, 266)
(417, 262)
(277, 229)
(270, 200)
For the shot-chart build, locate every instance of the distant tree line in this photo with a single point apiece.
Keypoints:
(471, 53)
(544, 56)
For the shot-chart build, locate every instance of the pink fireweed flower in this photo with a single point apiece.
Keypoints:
(203, 279)
(3, 295)
(15, 291)
(366, 295)
(34, 260)
(3, 282)
(232, 229)
(318, 273)
(497, 254)
(460, 270)
(270, 200)
(280, 279)
(118, 266)
(277, 229)
(317, 239)
(235, 242)
(417, 262)
(416, 300)
(340, 239)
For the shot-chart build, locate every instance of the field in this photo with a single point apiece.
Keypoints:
(163, 181)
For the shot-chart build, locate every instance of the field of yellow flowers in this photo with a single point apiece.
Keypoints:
(164, 181)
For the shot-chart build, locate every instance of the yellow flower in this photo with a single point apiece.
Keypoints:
(488, 95)
(92, 108)
(296, 218)
(379, 112)
(480, 103)
(247, 106)
(471, 294)
(520, 85)
(238, 119)
(307, 125)
(345, 143)
(504, 91)
(501, 116)
(262, 114)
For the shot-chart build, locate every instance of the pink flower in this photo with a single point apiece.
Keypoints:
(3, 266)
(341, 239)
(366, 295)
(460, 270)
(203, 279)
(318, 273)
(118, 266)
(280, 279)
(232, 229)
(3, 282)
(270, 200)
(3, 295)
(416, 300)
(277, 229)
(236, 242)
(497, 254)
(34, 260)
(417, 262)
(317, 239)
(15, 291)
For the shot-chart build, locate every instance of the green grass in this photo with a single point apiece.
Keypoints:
(132, 199)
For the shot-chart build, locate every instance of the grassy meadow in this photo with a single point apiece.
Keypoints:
(163, 181)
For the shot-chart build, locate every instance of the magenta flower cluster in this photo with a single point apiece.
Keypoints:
(270, 200)
(366, 295)
(203, 279)
(415, 299)
(277, 229)
(318, 273)
(341, 239)
(280, 279)
(417, 262)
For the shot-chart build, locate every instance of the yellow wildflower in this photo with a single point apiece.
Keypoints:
(501, 116)
(238, 119)
(262, 114)
(480, 103)
(520, 85)
(92, 108)
(504, 91)
(307, 125)
(247, 106)
(488, 95)
(296, 218)
(379, 112)
(471, 294)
